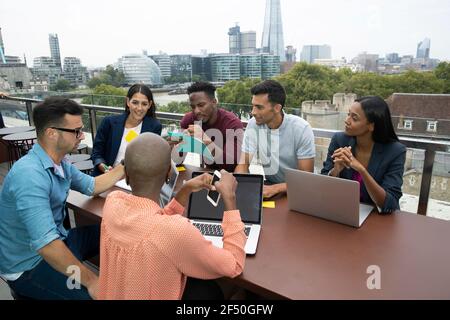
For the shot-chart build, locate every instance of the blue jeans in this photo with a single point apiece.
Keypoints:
(45, 283)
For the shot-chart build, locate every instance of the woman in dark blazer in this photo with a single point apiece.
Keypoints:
(369, 152)
(115, 132)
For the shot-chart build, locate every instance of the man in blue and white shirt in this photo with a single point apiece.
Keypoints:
(37, 254)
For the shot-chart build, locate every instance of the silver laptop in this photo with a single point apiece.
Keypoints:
(167, 189)
(249, 199)
(326, 197)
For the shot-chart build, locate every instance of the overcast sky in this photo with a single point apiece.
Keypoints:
(100, 31)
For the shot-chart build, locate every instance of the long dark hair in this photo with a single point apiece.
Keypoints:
(377, 112)
(143, 89)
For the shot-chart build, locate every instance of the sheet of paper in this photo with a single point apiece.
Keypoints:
(131, 136)
(122, 184)
(269, 204)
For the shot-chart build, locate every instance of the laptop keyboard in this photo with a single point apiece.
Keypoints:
(214, 230)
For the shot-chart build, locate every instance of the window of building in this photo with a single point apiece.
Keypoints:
(432, 126)
(407, 124)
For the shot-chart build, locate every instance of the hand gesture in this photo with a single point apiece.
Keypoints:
(227, 188)
(200, 182)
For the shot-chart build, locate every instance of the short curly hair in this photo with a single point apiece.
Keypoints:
(205, 87)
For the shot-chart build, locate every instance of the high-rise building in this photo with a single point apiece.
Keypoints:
(423, 49)
(312, 52)
(2, 49)
(54, 48)
(272, 38)
(234, 34)
(248, 42)
(291, 54)
(241, 42)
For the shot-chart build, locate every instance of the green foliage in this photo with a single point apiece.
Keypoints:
(313, 82)
(62, 85)
(109, 76)
(237, 92)
(442, 72)
(106, 95)
(175, 107)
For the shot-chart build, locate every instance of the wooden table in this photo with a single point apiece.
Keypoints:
(304, 257)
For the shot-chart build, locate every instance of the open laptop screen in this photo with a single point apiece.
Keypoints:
(248, 201)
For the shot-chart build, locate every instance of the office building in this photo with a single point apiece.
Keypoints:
(234, 37)
(251, 66)
(270, 66)
(272, 38)
(201, 68)
(163, 62)
(54, 49)
(312, 52)
(225, 67)
(423, 49)
(291, 54)
(138, 68)
(368, 61)
(248, 42)
(241, 42)
(46, 68)
(74, 72)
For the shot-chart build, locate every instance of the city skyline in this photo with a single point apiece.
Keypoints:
(100, 32)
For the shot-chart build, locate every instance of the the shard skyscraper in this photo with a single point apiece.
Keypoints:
(272, 39)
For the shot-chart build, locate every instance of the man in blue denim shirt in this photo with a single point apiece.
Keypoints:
(37, 254)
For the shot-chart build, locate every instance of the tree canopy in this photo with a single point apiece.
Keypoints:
(106, 95)
(109, 76)
(313, 82)
(62, 85)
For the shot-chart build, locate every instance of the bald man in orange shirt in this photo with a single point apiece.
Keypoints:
(147, 252)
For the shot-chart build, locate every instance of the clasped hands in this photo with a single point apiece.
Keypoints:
(344, 158)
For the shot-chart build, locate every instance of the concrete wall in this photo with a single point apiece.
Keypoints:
(16, 73)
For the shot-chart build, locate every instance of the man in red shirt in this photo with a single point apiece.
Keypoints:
(220, 130)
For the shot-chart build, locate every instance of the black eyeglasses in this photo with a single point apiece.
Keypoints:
(78, 132)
